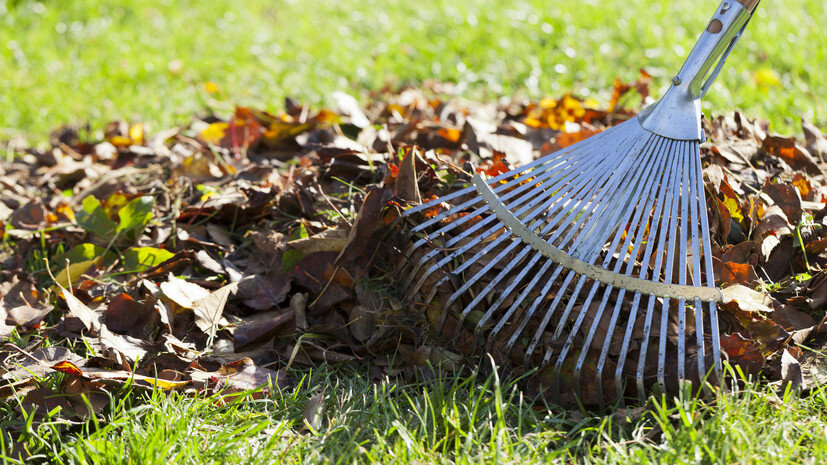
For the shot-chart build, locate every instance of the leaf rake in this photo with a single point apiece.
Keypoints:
(594, 260)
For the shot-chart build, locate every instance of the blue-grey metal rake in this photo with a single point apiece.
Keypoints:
(524, 250)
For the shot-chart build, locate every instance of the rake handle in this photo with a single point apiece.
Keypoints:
(749, 4)
(677, 115)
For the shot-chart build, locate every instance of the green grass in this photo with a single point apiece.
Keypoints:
(447, 420)
(96, 60)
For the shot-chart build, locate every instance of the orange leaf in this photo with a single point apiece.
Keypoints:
(68, 368)
(450, 134)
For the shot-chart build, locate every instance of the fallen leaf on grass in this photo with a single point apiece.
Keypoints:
(253, 333)
(78, 310)
(314, 412)
(208, 310)
(791, 370)
(264, 292)
(239, 376)
(743, 352)
(787, 149)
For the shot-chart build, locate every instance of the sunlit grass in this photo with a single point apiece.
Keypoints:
(95, 60)
(467, 419)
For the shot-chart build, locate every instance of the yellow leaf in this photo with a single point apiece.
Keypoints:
(734, 209)
(65, 210)
(211, 87)
(115, 202)
(120, 141)
(162, 384)
(214, 133)
(136, 133)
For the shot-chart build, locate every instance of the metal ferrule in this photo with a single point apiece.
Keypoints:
(677, 115)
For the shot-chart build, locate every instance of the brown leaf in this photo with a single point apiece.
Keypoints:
(786, 197)
(242, 375)
(68, 368)
(329, 240)
(748, 300)
(124, 350)
(743, 352)
(791, 370)
(787, 149)
(40, 363)
(26, 316)
(20, 304)
(734, 273)
(182, 292)
(264, 292)
(362, 323)
(251, 334)
(315, 270)
(814, 366)
(45, 400)
(406, 184)
(126, 316)
(741, 253)
(816, 142)
(365, 225)
(77, 309)
(791, 319)
(209, 310)
(314, 412)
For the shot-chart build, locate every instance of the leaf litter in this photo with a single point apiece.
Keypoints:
(220, 255)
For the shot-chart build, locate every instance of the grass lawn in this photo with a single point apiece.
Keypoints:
(92, 61)
(96, 60)
(448, 420)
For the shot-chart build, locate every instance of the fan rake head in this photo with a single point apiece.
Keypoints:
(589, 262)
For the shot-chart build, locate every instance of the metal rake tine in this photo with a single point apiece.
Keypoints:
(517, 331)
(684, 222)
(670, 261)
(583, 312)
(508, 174)
(647, 254)
(662, 235)
(694, 222)
(569, 208)
(590, 217)
(514, 262)
(710, 276)
(581, 152)
(635, 223)
(515, 334)
(531, 212)
(528, 197)
(540, 166)
(641, 220)
(531, 196)
(591, 249)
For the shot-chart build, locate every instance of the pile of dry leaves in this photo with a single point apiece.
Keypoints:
(219, 255)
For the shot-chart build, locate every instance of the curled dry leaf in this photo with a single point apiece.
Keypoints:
(791, 370)
(314, 412)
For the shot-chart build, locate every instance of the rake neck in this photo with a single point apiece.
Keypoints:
(677, 115)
